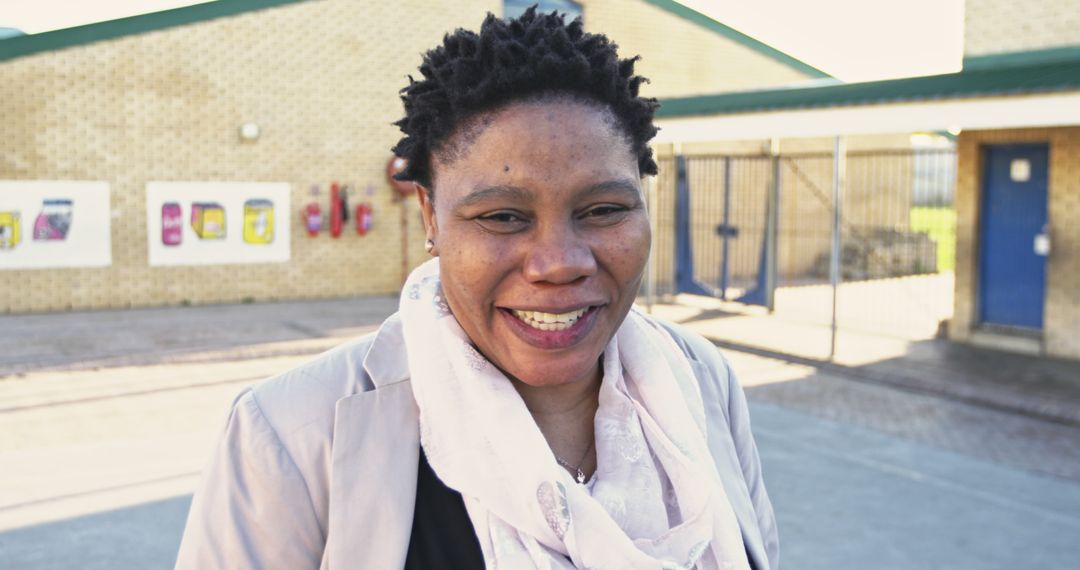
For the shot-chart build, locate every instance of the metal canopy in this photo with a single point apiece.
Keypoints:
(1040, 89)
(1023, 79)
(950, 114)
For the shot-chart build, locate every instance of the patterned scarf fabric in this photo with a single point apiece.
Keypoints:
(656, 500)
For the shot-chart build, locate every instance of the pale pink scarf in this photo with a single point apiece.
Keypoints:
(656, 502)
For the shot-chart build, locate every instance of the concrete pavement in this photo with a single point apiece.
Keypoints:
(107, 417)
(854, 498)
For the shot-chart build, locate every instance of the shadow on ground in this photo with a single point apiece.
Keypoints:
(1039, 386)
(142, 537)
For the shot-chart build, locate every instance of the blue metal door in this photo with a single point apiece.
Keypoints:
(1012, 275)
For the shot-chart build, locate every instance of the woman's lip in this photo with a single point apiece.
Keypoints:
(554, 311)
(554, 340)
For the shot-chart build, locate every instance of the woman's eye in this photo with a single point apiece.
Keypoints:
(602, 212)
(501, 217)
(502, 222)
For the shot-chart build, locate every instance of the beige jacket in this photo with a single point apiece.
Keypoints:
(317, 467)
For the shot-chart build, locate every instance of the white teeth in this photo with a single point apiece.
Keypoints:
(549, 321)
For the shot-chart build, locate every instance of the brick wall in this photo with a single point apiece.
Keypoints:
(1061, 332)
(320, 78)
(1001, 26)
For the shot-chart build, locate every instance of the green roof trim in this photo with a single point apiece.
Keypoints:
(1063, 75)
(737, 36)
(11, 48)
(1028, 57)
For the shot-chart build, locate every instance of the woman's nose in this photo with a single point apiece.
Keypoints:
(558, 257)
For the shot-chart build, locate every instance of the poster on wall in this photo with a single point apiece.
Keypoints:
(204, 223)
(54, 224)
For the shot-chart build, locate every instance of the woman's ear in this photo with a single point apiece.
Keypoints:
(427, 212)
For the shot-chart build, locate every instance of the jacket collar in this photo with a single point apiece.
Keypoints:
(386, 362)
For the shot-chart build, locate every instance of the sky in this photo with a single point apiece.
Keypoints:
(853, 40)
(35, 16)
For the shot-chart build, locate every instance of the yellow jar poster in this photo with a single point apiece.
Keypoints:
(259, 221)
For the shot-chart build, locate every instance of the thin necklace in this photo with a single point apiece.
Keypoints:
(576, 469)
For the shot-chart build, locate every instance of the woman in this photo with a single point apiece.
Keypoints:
(517, 412)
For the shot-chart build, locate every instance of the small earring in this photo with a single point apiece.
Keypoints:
(429, 245)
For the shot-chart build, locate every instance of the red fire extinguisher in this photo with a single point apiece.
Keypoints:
(363, 219)
(311, 216)
(335, 210)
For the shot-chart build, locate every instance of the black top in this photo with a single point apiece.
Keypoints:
(442, 534)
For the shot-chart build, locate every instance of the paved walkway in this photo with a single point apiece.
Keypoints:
(98, 339)
(107, 417)
(1046, 388)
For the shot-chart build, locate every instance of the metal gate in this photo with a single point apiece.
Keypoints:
(764, 230)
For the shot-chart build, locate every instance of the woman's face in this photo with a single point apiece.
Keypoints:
(540, 225)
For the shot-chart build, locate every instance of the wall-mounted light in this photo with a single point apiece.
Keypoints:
(249, 132)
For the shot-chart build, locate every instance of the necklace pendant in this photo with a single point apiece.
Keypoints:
(580, 476)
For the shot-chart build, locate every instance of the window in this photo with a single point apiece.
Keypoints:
(515, 8)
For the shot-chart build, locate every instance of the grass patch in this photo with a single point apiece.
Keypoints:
(940, 224)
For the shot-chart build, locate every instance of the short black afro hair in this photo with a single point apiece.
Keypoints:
(512, 60)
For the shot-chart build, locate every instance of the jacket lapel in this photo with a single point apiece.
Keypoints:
(728, 467)
(375, 455)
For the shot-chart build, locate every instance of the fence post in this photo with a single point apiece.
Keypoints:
(772, 228)
(724, 269)
(684, 245)
(684, 257)
(839, 167)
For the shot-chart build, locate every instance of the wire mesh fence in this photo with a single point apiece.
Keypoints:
(758, 230)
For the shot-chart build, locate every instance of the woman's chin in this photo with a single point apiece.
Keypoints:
(546, 373)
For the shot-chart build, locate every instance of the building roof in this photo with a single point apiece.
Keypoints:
(1021, 73)
(29, 44)
(738, 37)
(19, 46)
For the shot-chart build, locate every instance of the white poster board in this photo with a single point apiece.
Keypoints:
(50, 224)
(205, 223)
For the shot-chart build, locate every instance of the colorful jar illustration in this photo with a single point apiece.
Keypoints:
(172, 224)
(54, 221)
(208, 220)
(10, 230)
(258, 221)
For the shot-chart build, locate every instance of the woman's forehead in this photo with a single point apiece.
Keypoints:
(551, 135)
(508, 120)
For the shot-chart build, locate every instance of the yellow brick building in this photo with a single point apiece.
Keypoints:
(162, 97)
(1016, 106)
(1040, 35)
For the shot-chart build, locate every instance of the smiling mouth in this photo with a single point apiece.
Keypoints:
(549, 321)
